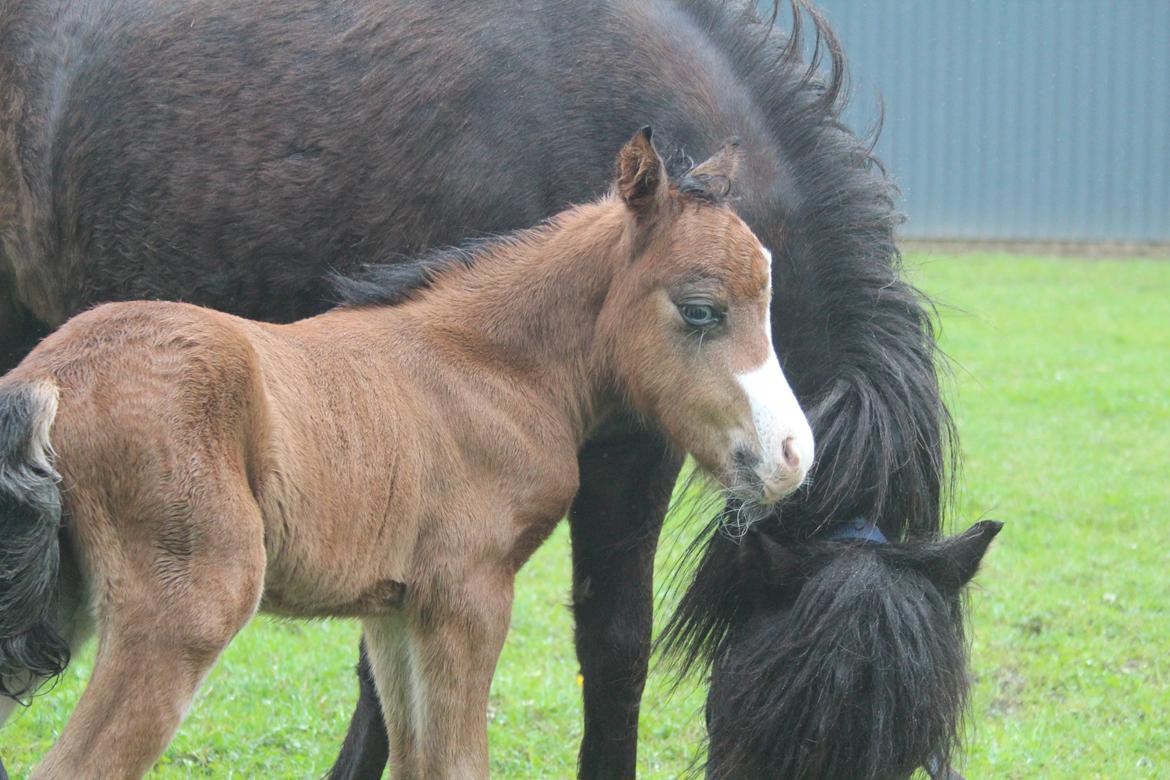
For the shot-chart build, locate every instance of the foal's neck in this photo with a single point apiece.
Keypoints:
(528, 304)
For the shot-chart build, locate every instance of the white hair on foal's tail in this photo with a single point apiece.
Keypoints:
(45, 397)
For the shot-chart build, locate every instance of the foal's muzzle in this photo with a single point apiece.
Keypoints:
(758, 480)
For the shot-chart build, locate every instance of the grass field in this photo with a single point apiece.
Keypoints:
(1061, 388)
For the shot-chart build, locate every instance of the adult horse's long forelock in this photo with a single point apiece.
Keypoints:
(808, 694)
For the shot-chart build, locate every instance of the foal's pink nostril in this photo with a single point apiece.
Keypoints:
(791, 456)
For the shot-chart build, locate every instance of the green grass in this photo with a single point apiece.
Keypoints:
(1063, 404)
(1062, 394)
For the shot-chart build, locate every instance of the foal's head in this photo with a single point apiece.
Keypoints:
(688, 329)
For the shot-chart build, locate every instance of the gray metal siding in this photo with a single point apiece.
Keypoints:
(1018, 119)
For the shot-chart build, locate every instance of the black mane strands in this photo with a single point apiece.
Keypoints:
(402, 278)
(862, 678)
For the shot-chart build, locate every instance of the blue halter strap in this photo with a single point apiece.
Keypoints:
(859, 529)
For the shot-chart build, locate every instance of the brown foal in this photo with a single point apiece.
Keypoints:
(395, 463)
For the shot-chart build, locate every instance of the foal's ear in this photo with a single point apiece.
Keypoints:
(953, 562)
(719, 171)
(641, 179)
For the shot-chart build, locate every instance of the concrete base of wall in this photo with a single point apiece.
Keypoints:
(1103, 250)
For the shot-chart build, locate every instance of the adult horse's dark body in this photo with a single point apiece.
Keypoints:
(229, 153)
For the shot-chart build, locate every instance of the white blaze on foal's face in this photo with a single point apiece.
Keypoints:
(783, 447)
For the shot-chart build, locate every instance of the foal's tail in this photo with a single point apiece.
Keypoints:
(31, 648)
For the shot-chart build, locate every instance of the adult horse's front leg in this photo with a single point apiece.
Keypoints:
(626, 483)
(366, 748)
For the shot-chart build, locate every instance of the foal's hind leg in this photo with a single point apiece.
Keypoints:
(438, 680)
(166, 615)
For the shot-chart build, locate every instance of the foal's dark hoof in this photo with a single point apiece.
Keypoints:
(3, 774)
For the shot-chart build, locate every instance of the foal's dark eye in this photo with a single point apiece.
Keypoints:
(700, 315)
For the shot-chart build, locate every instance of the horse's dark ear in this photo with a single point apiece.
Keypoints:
(953, 562)
(719, 171)
(764, 561)
(641, 179)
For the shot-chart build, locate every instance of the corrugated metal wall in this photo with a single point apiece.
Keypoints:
(1018, 119)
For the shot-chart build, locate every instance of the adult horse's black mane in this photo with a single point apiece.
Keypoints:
(882, 431)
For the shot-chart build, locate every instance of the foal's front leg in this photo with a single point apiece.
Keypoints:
(433, 668)
(626, 482)
(386, 646)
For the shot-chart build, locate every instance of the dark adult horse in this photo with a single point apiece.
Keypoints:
(229, 153)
